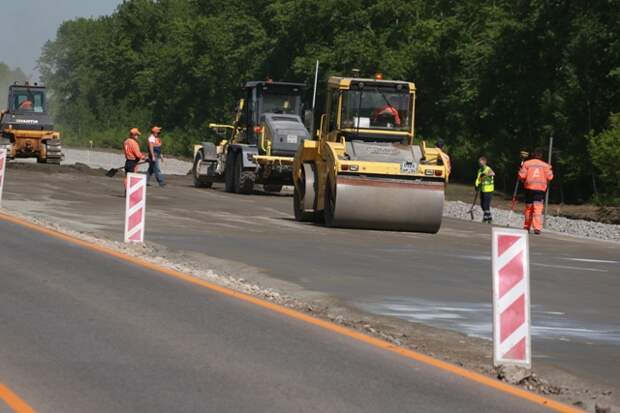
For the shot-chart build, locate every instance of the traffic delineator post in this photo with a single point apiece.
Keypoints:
(2, 172)
(511, 298)
(135, 207)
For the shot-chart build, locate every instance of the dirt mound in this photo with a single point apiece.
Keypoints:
(80, 168)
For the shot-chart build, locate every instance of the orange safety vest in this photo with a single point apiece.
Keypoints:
(535, 175)
(388, 110)
(131, 147)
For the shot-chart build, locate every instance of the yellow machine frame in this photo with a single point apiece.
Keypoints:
(327, 153)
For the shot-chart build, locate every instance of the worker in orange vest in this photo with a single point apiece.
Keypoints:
(133, 155)
(535, 175)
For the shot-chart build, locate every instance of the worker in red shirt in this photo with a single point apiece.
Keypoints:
(26, 105)
(131, 148)
(387, 112)
(535, 175)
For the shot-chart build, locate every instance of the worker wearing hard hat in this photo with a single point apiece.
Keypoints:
(535, 175)
(131, 148)
(155, 156)
(485, 183)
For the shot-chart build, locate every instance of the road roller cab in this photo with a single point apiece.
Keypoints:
(365, 170)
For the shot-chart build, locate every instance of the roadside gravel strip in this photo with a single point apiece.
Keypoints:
(453, 209)
(574, 227)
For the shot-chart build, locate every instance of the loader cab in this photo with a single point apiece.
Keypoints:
(369, 110)
(268, 97)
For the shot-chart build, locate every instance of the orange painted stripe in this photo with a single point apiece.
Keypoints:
(327, 325)
(14, 401)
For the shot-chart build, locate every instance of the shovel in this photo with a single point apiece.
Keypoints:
(473, 204)
(112, 172)
(524, 156)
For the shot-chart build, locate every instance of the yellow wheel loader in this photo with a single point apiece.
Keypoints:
(259, 147)
(27, 128)
(364, 170)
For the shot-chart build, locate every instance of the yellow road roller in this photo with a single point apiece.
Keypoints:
(363, 169)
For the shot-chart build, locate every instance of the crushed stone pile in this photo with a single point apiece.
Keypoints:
(575, 227)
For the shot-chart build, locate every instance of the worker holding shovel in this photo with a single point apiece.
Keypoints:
(133, 155)
(485, 183)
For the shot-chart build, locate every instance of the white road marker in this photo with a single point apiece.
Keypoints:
(592, 260)
(511, 297)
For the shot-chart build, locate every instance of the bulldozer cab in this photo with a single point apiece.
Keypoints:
(369, 110)
(27, 108)
(27, 99)
(267, 97)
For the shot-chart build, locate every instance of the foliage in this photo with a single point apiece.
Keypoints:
(7, 77)
(493, 77)
(604, 149)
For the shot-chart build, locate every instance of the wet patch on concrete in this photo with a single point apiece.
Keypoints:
(475, 319)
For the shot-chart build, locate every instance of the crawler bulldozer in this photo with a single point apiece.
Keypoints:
(258, 148)
(27, 128)
(364, 169)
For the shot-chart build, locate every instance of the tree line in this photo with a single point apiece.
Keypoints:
(493, 77)
(9, 76)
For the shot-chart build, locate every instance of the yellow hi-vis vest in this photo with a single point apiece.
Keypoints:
(486, 183)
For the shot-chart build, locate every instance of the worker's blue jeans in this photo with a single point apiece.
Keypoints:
(154, 169)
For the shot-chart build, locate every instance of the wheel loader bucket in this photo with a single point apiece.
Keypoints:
(385, 203)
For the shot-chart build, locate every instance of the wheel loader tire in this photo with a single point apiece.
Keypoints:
(244, 180)
(274, 189)
(199, 181)
(229, 172)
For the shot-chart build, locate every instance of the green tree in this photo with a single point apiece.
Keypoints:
(604, 149)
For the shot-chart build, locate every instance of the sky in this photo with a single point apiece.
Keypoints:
(28, 24)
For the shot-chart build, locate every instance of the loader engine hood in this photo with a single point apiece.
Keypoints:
(286, 133)
(383, 152)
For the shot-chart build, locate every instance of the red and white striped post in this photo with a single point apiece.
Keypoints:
(511, 298)
(135, 207)
(2, 171)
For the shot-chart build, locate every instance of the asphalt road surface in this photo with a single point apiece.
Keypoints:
(442, 280)
(84, 332)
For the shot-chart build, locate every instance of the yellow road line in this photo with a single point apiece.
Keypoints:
(14, 401)
(373, 341)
